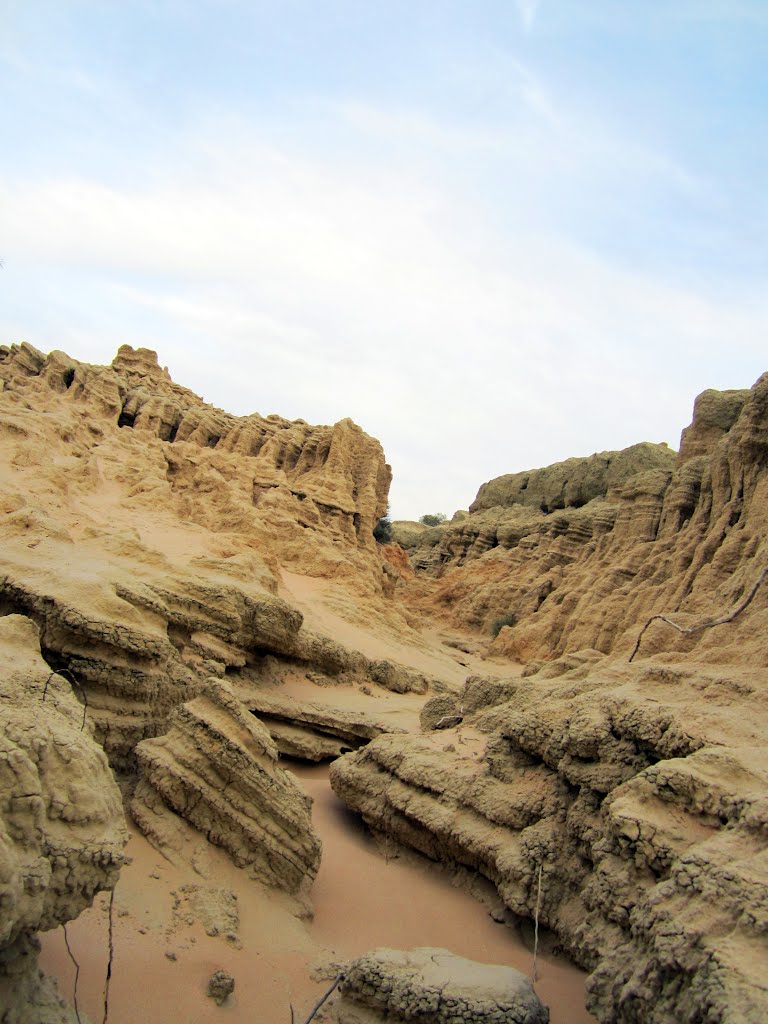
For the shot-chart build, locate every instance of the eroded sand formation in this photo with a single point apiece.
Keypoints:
(208, 595)
(62, 830)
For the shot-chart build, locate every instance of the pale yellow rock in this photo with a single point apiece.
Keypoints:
(62, 829)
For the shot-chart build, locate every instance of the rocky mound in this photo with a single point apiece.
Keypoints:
(434, 986)
(147, 546)
(217, 768)
(627, 802)
(681, 536)
(572, 483)
(622, 777)
(61, 822)
(295, 486)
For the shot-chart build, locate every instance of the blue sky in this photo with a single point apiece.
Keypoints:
(496, 234)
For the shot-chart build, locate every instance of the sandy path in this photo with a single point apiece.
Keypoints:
(422, 650)
(270, 968)
(163, 958)
(362, 900)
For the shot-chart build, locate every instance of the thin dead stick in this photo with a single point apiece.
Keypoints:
(64, 672)
(77, 974)
(536, 927)
(319, 1003)
(702, 625)
(111, 958)
(447, 718)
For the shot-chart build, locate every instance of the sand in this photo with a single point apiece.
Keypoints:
(362, 899)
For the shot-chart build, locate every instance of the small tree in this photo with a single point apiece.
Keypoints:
(510, 619)
(382, 531)
(435, 519)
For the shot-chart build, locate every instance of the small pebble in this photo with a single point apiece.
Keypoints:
(220, 986)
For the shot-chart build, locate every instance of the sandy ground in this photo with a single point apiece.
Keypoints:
(327, 611)
(163, 956)
(166, 917)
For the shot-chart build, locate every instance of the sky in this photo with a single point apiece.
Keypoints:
(495, 233)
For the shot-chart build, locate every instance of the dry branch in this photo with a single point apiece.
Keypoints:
(337, 981)
(77, 974)
(534, 978)
(707, 624)
(111, 957)
(64, 672)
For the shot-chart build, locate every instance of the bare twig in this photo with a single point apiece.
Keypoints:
(535, 977)
(337, 981)
(709, 623)
(293, 1017)
(66, 674)
(77, 974)
(447, 718)
(111, 957)
(45, 688)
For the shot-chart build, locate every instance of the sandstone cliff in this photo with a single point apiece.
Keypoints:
(144, 532)
(302, 490)
(149, 544)
(626, 802)
(630, 796)
(61, 821)
(577, 558)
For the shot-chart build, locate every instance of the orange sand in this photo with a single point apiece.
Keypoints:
(362, 900)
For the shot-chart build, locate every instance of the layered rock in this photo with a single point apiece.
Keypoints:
(634, 797)
(62, 830)
(434, 986)
(305, 491)
(144, 533)
(216, 767)
(311, 731)
(576, 558)
(572, 483)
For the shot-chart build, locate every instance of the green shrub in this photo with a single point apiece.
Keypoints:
(497, 625)
(382, 531)
(434, 519)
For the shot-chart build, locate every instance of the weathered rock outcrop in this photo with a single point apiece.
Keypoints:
(311, 494)
(310, 731)
(575, 482)
(684, 537)
(144, 530)
(216, 767)
(147, 536)
(62, 830)
(434, 986)
(637, 796)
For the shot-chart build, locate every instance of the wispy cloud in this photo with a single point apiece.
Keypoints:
(528, 10)
(490, 260)
(337, 290)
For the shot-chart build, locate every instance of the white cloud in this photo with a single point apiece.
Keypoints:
(272, 280)
(528, 10)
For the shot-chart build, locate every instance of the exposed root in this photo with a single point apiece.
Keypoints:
(709, 623)
(337, 981)
(535, 976)
(111, 957)
(77, 973)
